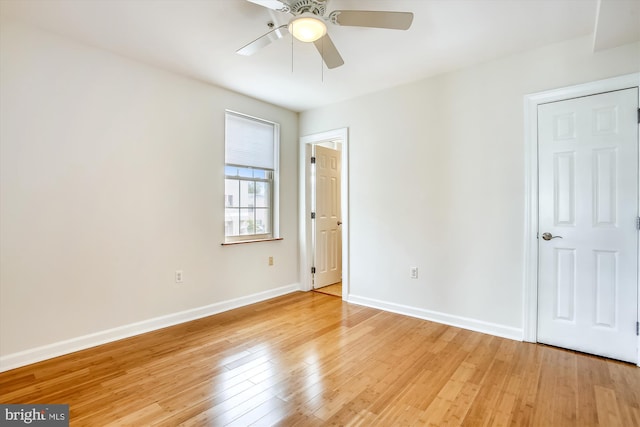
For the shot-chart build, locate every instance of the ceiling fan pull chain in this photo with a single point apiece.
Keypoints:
(291, 54)
(322, 62)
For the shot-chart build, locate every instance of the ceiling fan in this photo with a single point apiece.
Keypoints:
(309, 25)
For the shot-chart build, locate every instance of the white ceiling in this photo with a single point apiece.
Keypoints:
(198, 38)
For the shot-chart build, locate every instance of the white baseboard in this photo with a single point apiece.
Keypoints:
(38, 354)
(447, 319)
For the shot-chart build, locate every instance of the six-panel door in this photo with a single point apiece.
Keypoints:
(588, 202)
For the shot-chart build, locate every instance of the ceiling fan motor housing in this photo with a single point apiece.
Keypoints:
(317, 7)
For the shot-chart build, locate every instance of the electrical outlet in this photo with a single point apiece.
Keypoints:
(178, 276)
(413, 272)
(270, 260)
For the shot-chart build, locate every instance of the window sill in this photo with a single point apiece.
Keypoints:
(242, 242)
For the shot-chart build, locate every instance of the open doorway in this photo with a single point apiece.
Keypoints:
(324, 213)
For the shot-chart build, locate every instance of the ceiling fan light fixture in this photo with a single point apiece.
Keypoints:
(307, 27)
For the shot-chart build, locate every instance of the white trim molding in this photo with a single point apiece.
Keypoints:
(444, 318)
(531, 103)
(27, 357)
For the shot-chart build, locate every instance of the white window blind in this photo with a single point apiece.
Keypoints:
(249, 142)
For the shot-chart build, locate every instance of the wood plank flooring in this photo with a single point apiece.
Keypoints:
(308, 359)
(335, 289)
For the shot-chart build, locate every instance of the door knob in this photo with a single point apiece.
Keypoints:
(339, 222)
(549, 236)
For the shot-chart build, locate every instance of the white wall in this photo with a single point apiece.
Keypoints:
(111, 178)
(437, 182)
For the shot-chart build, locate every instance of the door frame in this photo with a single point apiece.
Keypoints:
(305, 196)
(531, 102)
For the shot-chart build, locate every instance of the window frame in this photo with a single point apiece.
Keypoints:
(274, 186)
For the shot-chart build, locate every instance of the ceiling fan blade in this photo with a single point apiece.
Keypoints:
(278, 5)
(264, 40)
(328, 51)
(373, 19)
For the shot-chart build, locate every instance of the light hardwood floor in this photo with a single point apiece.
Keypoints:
(310, 359)
(335, 289)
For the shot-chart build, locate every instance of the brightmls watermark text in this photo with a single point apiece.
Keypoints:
(34, 415)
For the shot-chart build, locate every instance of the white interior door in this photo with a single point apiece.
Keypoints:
(588, 205)
(328, 236)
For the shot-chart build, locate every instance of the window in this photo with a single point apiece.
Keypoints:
(251, 170)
